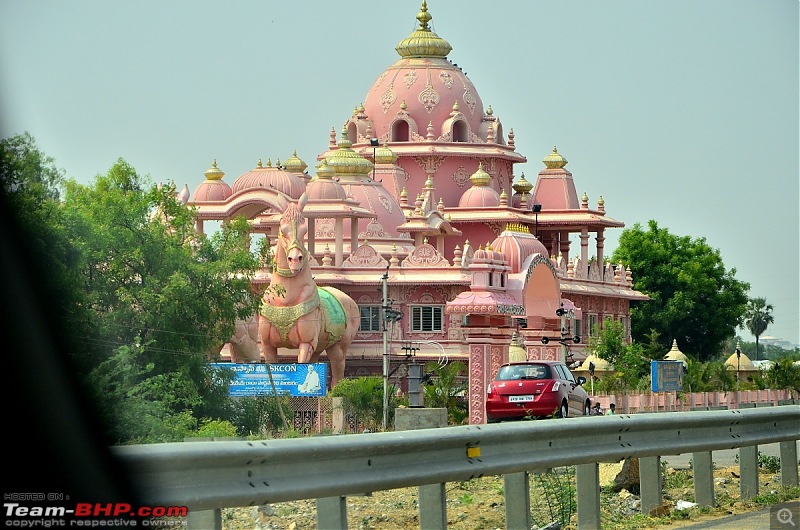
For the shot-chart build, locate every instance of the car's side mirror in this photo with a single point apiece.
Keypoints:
(581, 380)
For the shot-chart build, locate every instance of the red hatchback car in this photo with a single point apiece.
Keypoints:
(536, 389)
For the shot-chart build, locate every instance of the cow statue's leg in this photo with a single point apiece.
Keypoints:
(269, 351)
(336, 356)
(305, 353)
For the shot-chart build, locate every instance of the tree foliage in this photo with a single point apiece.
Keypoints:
(447, 389)
(364, 396)
(139, 299)
(629, 360)
(693, 297)
(164, 299)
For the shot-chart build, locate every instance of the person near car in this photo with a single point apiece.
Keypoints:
(610, 411)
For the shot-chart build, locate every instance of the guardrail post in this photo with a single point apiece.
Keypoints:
(703, 471)
(587, 478)
(748, 472)
(650, 482)
(204, 520)
(332, 513)
(788, 459)
(432, 507)
(518, 499)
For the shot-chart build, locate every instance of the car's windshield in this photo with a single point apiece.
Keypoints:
(524, 371)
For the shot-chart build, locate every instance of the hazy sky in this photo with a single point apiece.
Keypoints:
(682, 111)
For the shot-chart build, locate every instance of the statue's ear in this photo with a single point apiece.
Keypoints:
(301, 202)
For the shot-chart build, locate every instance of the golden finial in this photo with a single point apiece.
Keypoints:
(214, 173)
(423, 42)
(259, 165)
(554, 160)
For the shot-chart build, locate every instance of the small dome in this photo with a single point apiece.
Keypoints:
(384, 155)
(213, 188)
(293, 164)
(323, 186)
(270, 177)
(600, 365)
(517, 243)
(480, 195)
(741, 364)
(554, 160)
(214, 173)
(675, 354)
(522, 185)
(345, 161)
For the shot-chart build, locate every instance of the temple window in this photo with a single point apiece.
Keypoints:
(460, 133)
(593, 327)
(400, 131)
(426, 318)
(370, 318)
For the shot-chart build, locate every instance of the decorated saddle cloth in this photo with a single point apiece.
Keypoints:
(332, 314)
(333, 319)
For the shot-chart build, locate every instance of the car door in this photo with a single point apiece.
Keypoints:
(574, 401)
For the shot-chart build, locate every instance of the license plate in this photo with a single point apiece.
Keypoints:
(519, 399)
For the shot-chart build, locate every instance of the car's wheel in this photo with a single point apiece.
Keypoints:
(563, 410)
(587, 409)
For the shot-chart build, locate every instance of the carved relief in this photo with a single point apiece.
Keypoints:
(429, 163)
(410, 77)
(470, 100)
(496, 227)
(387, 99)
(429, 98)
(365, 256)
(425, 255)
(385, 202)
(324, 228)
(447, 79)
(477, 382)
(461, 176)
(374, 230)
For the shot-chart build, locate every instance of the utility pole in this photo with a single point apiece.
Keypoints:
(384, 319)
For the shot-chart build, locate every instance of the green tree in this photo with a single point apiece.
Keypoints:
(163, 299)
(629, 360)
(784, 375)
(447, 388)
(364, 396)
(758, 316)
(693, 298)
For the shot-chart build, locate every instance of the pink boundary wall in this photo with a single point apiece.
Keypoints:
(670, 402)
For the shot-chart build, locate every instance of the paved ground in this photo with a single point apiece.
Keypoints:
(780, 517)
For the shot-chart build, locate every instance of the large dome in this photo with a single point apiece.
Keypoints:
(270, 177)
(423, 87)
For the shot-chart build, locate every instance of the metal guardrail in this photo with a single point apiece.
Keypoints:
(214, 475)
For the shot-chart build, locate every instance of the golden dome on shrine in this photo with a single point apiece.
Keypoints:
(345, 161)
(554, 160)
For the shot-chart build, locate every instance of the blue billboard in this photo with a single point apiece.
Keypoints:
(294, 379)
(666, 376)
